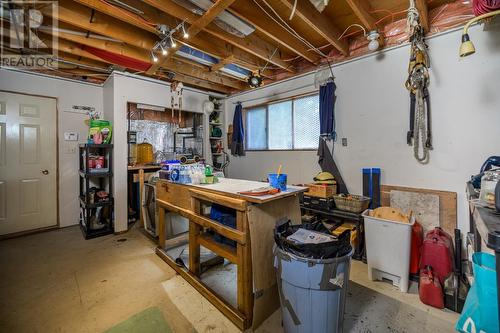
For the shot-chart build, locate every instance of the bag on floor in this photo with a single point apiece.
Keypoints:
(437, 252)
(429, 288)
(480, 312)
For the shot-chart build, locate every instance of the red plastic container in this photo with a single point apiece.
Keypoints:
(437, 252)
(429, 289)
(417, 239)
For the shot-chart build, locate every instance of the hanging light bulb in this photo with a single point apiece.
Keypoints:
(164, 51)
(154, 57)
(185, 35)
(172, 42)
(373, 38)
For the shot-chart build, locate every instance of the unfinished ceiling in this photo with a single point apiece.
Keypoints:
(217, 45)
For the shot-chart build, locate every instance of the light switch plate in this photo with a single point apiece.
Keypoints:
(70, 136)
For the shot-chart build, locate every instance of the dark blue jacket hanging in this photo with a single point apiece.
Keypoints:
(327, 109)
(327, 131)
(237, 144)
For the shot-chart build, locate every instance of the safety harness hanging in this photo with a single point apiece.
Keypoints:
(419, 135)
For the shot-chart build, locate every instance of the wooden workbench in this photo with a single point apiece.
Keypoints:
(257, 295)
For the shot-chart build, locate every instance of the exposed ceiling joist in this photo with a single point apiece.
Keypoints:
(318, 22)
(249, 12)
(361, 10)
(423, 11)
(250, 44)
(222, 63)
(207, 18)
(196, 27)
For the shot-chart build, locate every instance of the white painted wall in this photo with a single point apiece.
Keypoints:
(129, 88)
(372, 112)
(68, 93)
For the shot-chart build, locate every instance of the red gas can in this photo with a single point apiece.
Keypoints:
(437, 252)
(429, 289)
(417, 238)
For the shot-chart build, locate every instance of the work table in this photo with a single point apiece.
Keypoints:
(257, 295)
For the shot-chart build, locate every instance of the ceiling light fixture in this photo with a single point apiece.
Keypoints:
(373, 37)
(154, 57)
(164, 51)
(185, 35)
(172, 42)
(255, 80)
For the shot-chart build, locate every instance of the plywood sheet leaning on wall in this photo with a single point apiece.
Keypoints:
(262, 219)
(447, 203)
(425, 206)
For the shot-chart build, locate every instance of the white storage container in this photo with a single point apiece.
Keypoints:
(388, 245)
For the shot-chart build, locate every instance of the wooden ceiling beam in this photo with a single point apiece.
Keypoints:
(196, 27)
(247, 11)
(222, 63)
(218, 7)
(423, 11)
(79, 16)
(143, 55)
(319, 23)
(250, 44)
(361, 10)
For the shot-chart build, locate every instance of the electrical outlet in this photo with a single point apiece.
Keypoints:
(344, 142)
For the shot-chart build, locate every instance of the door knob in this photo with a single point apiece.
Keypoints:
(45, 172)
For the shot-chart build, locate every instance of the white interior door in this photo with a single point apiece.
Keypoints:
(28, 163)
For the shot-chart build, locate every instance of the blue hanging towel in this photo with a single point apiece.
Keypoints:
(327, 109)
(237, 144)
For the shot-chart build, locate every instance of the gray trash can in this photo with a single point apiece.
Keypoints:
(312, 292)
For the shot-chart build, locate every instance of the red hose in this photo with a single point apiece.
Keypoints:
(480, 7)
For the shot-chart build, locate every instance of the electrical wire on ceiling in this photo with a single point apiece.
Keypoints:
(287, 27)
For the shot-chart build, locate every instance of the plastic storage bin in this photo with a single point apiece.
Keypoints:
(312, 292)
(388, 245)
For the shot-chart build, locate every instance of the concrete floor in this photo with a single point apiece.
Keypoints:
(58, 282)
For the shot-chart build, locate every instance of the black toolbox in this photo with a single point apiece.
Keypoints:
(318, 203)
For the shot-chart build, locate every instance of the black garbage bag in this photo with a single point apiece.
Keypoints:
(339, 247)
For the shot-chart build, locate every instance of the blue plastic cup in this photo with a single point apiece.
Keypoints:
(278, 182)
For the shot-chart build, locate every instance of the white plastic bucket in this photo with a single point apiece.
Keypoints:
(312, 292)
(388, 245)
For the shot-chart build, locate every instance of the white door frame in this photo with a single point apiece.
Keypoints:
(57, 226)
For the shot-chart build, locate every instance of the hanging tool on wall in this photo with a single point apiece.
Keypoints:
(176, 88)
(419, 136)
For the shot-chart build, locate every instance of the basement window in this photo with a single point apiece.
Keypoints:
(286, 125)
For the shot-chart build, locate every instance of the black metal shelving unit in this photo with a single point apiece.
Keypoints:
(96, 217)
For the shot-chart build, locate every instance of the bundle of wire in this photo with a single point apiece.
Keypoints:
(480, 7)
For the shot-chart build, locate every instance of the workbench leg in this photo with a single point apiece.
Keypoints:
(141, 190)
(161, 227)
(194, 246)
(244, 274)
